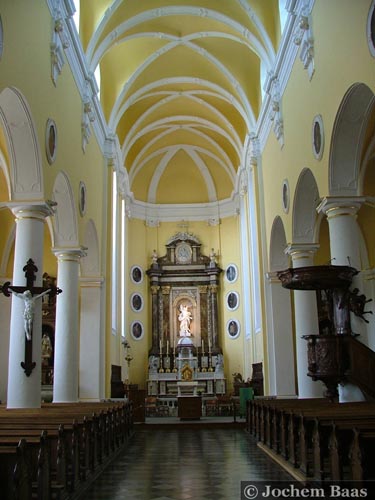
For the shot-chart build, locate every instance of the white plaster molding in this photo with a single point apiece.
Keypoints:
(77, 62)
(303, 38)
(152, 222)
(177, 95)
(176, 212)
(214, 91)
(23, 146)
(191, 122)
(65, 220)
(282, 68)
(170, 130)
(255, 44)
(213, 221)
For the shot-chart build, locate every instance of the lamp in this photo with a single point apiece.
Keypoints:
(128, 353)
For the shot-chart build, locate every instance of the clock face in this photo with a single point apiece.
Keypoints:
(183, 253)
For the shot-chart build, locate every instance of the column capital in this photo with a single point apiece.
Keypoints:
(333, 206)
(301, 250)
(70, 254)
(272, 277)
(27, 209)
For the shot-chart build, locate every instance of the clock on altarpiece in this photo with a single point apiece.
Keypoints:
(183, 253)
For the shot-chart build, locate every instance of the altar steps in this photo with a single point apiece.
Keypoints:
(201, 423)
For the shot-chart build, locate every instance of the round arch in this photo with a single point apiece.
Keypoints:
(346, 155)
(25, 165)
(65, 220)
(278, 259)
(306, 199)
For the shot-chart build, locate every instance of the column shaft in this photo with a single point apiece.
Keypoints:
(306, 322)
(23, 391)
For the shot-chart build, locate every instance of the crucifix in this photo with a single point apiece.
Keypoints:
(29, 294)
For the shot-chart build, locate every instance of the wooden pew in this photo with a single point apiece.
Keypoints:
(314, 435)
(15, 473)
(81, 439)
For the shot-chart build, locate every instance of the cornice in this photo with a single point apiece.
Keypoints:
(189, 212)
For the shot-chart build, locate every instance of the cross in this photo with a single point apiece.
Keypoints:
(35, 292)
(184, 225)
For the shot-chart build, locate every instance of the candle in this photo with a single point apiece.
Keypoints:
(209, 345)
(167, 346)
(161, 345)
(202, 346)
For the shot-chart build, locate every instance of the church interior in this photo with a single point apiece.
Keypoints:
(187, 213)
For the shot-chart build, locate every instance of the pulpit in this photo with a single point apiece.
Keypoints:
(327, 350)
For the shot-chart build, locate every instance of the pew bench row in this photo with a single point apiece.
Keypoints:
(55, 453)
(323, 441)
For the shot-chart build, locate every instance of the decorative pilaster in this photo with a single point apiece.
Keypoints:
(65, 381)
(306, 319)
(154, 307)
(23, 391)
(165, 291)
(91, 361)
(214, 320)
(280, 339)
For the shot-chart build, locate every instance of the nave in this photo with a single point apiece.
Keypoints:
(182, 463)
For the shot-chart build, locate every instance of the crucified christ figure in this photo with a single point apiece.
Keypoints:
(28, 312)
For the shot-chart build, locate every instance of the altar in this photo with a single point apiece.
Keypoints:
(185, 355)
(187, 388)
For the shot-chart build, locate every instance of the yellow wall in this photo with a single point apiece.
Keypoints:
(142, 240)
(303, 99)
(26, 65)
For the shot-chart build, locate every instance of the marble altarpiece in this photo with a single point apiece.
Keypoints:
(185, 355)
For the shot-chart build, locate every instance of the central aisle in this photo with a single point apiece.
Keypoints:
(183, 464)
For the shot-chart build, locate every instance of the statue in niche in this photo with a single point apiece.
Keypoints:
(46, 346)
(184, 318)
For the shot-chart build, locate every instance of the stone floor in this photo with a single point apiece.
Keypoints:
(183, 463)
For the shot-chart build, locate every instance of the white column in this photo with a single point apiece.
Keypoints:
(25, 391)
(5, 309)
(306, 321)
(91, 341)
(344, 235)
(65, 378)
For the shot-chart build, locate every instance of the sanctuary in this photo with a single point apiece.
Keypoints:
(185, 355)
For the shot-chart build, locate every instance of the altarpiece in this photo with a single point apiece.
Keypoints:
(185, 354)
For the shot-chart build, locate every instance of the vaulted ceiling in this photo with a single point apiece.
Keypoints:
(180, 86)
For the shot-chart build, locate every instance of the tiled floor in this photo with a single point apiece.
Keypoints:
(172, 463)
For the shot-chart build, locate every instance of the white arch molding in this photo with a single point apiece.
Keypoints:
(345, 155)
(306, 199)
(26, 176)
(65, 220)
